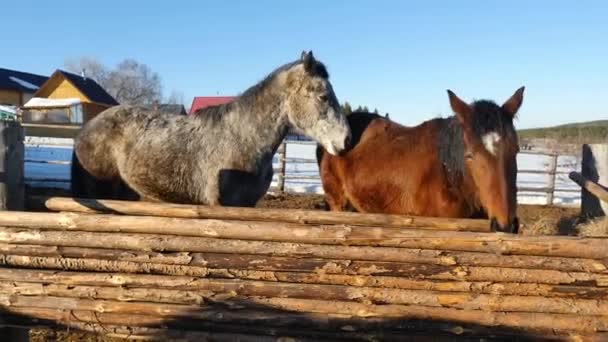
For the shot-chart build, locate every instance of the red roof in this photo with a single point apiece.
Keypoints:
(200, 102)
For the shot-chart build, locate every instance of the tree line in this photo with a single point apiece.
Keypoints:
(347, 109)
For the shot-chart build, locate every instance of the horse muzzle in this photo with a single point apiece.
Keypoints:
(512, 227)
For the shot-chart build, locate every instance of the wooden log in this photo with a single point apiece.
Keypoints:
(205, 333)
(399, 266)
(521, 320)
(256, 214)
(592, 187)
(560, 246)
(187, 283)
(276, 232)
(332, 273)
(12, 154)
(595, 169)
(217, 288)
(414, 330)
(249, 317)
(242, 230)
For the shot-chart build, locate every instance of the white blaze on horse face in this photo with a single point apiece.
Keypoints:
(489, 142)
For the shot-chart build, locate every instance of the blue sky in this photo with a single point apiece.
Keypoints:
(398, 56)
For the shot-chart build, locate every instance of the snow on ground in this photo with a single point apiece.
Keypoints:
(57, 174)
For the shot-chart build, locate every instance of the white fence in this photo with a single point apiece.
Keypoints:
(542, 177)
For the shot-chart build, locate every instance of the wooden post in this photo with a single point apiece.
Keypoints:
(12, 152)
(282, 154)
(595, 169)
(552, 175)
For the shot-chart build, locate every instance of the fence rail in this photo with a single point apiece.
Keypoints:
(283, 175)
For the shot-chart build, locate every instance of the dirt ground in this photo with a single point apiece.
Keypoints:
(535, 220)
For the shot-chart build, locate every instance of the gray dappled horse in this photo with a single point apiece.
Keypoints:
(220, 156)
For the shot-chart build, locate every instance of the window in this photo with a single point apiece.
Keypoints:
(76, 111)
(52, 116)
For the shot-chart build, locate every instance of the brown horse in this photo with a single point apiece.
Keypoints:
(462, 166)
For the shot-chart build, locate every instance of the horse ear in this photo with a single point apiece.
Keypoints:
(308, 60)
(511, 106)
(462, 110)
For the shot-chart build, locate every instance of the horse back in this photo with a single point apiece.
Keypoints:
(387, 168)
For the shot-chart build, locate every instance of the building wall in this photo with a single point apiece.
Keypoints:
(92, 109)
(26, 97)
(10, 97)
(60, 88)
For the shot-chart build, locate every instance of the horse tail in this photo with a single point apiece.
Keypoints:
(85, 185)
(77, 174)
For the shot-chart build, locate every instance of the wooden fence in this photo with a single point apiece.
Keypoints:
(168, 271)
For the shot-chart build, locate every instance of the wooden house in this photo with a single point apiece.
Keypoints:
(202, 102)
(17, 87)
(67, 99)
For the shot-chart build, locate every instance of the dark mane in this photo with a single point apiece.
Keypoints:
(214, 113)
(450, 145)
(490, 117)
(487, 117)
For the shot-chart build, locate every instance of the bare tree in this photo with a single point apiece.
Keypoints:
(92, 68)
(176, 97)
(134, 83)
(130, 82)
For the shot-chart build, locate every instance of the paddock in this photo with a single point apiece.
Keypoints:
(153, 271)
(158, 271)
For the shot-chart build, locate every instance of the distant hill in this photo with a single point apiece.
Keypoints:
(588, 132)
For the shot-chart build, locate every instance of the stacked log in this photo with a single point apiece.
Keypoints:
(177, 271)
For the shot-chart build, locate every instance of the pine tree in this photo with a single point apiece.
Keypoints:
(346, 108)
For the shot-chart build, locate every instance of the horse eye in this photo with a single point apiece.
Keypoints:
(324, 98)
(468, 156)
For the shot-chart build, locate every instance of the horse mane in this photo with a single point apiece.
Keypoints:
(487, 117)
(215, 113)
(358, 122)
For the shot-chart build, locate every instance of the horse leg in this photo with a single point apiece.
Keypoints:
(335, 195)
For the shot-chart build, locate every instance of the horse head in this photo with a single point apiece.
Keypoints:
(490, 151)
(311, 105)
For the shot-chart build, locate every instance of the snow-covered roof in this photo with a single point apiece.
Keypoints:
(8, 109)
(24, 83)
(20, 81)
(37, 102)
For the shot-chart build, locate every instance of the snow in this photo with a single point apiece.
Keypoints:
(23, 83)
(8, 109)
(60, 152)
(37, 102)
